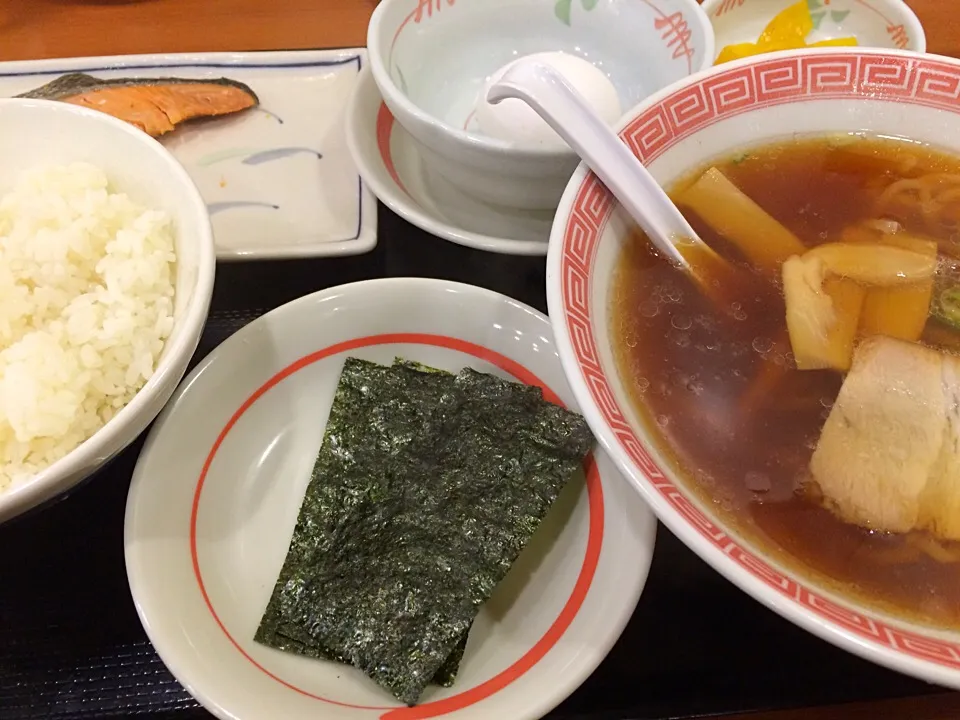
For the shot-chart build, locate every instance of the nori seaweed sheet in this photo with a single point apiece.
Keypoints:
(363, 386)
(425, 491)
(287, 636)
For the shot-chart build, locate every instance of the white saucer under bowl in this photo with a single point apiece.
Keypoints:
(220, 481)
(391, 167)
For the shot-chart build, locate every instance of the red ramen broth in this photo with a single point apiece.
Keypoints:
(718, 385)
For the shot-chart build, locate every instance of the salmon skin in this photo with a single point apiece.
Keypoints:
(155, 105)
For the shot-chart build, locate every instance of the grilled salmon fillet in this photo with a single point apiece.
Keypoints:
(155, 105)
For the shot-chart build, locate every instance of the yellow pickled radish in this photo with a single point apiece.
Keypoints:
(788, 30)
(835, 42)
(736, 52)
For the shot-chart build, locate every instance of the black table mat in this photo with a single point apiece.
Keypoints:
(71, 645)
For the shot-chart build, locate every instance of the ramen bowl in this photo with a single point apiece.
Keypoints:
(430, 59)
(705, 118)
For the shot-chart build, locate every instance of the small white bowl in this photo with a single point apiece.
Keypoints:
(219, 484)
(430, 59)
(875, 23)
(393, 169)
(729, 108)
(38, 132)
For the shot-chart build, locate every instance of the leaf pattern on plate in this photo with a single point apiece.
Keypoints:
(273, 115)
(214, 208)
(563, 8)
(255, 156)
(272, 154)
(228, 154)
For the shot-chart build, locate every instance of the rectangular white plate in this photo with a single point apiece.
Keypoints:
(278, 179)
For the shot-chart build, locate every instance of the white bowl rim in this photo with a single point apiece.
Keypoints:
(388, 88)
(899, 636)
(906, 14)
(194, 316)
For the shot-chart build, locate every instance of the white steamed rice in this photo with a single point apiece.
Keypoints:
(86, 303)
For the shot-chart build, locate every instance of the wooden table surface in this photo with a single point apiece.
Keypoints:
(32, 29)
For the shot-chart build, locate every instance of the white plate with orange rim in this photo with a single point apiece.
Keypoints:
(219, 483)
(391, 167)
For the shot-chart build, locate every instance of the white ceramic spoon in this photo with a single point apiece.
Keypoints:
(564, 109)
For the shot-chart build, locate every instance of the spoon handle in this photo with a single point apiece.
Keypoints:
(562, 107)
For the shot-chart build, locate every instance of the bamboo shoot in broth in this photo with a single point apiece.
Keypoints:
(848, 244)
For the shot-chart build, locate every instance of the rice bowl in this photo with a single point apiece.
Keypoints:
(106, 273)
(86, 303)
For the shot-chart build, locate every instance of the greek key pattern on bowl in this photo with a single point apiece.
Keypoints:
(778, 81)
(767, 82)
